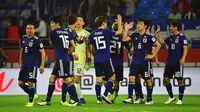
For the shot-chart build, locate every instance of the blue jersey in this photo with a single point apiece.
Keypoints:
(73, 36)
(100, 40)
(142, 46)
(60, 39)
(30, 51)
(116, 50)
(175, 48)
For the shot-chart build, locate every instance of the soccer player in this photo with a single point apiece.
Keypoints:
(31, 47)
(138, 87)
(99, 42)
(142, 43)
(177, 51)
(63, 45)
(79, 64)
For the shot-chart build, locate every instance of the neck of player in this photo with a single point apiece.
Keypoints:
(78, 29)
(30, 36)
(176, 33)
(141, 32)
(72, 27)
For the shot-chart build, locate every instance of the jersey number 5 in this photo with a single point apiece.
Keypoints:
(100, 44)
(65, 41)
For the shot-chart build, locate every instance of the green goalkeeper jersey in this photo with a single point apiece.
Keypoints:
(81, 48)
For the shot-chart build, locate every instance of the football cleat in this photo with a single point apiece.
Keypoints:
(170, 100)
(128, 101)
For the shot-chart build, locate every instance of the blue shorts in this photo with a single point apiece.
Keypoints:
(176, 71)
(28, 74)
(62, 69)
(144, 69)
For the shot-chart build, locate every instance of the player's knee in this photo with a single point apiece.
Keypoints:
(180, 82)
(30, 84)
(76, 79)
(21, 84)
(149, 82)
(52, 78)
(113, 77)
(99, 79)
(67, 80)
(166, 80)
(131, 78)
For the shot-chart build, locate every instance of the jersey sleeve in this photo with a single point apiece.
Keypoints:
(52, 37)
(167, 40)
(40, 44)
(90, 39)
(110, 33)
(184, 41)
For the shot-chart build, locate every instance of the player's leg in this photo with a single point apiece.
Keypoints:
(78, 72)
(138, 90)
(168, 74)
(54, 75)
(179, 77)
(108, 70)
(119, 77)
(147, 76)
(32, 75)
(22, 79)
(131, 86)
(99, 82)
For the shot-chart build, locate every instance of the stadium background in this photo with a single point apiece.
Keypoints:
(22, 11)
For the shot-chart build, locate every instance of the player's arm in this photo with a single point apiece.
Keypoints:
(126, 37)
(119, 24)
(20, 58)
(43, 55)
(185, 50)
(160, 39)
(156, 57)
(4, 55)
(157, 48)
(72, 47)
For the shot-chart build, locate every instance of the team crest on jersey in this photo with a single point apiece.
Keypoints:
(176, 41)
(30, 44)
(145, 39)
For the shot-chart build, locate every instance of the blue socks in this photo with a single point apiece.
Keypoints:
(131, 86)
(31, 93)
(50, 91)
(64, 91)
(181, 91)
(169, 89)
(98, 90)
(149, 93)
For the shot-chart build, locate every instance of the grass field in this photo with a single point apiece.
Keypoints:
(16, 104)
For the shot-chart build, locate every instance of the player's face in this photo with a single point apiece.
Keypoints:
(140, 26)
(79, 22)
(105, 24)
(30, 30)
(53, 25)
(172, 28)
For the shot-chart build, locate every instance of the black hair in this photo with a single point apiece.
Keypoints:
(149, 24)
(115, 26)
(177, 24)
(56, 19)
(143, 20)
(31, 23)
(99, 21)
(71, 19)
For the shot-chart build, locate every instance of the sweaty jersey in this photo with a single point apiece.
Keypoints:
(81, 48)
(73, 35)
(30, 50)
(142, 46)
(60, 39)
(175, 48)
(116, 50)
(100, 40)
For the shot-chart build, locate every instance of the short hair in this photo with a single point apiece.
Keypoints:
(99, 21)
(56, 19)
(31, 23)
(71, 19)
(149, 24)
(177, 24)
(143, 20)
(174, 6)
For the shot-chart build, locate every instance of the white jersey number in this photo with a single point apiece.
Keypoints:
(100, 44)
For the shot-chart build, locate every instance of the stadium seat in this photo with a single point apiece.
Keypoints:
(153, 14)
(145, 1)
(160, 5)
(166, 11)
(196, 43)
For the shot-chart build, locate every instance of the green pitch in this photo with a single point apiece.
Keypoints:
(191, 103)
